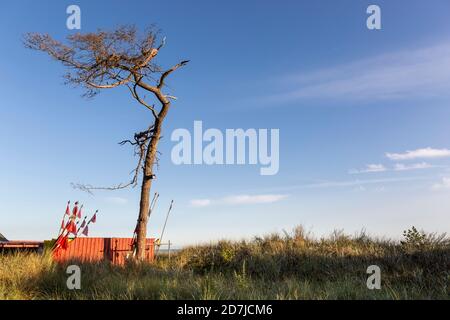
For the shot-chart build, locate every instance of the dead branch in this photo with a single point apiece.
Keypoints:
(96, 60)
(136, 96)
(166, 73)
(141, 141)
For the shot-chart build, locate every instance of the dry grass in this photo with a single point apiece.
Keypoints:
(291, 266)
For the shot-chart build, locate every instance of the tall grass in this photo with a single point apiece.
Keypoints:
(288, 266)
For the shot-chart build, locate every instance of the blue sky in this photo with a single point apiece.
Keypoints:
(363, 118)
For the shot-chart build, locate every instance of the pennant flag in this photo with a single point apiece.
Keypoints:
(65, 243)
(58, 242)
(79, 212)
(94, 218)
(62, 224)
(67, 208)
(75, 210)
(71, 227)
(86, 231)
(83, 224)
(62, 242)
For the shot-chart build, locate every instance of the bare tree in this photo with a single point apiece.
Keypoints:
(110, 59)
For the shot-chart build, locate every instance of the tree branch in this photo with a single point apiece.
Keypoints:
(166, 73)
(109, 86)
(154, 90)
(136, 96)
(141, 140)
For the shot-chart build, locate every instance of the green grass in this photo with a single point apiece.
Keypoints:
(291, 266)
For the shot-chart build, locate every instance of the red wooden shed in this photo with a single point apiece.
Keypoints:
(20, 245)
(115, 250)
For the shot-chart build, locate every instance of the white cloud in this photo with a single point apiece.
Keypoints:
(357, 182)
(239, 200)
(255, 199)
(415, 166)
(397, 167)
(370, 168)
(425, 153)
(200, 203)
(117, 200)
(423, 72)
(444, 184)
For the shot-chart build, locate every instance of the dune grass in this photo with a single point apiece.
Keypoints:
(289, 266)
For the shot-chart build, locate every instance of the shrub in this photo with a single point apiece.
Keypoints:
(414, 239)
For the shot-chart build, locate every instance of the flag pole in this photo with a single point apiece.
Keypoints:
(61, 228)
(72, 218)
(61, 235)
(164, 227)
(81, 226)
(153, 203)
(63, 222)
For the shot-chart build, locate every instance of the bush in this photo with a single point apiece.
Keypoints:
(415, 240)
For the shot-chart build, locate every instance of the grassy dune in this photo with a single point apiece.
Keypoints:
(290, 266)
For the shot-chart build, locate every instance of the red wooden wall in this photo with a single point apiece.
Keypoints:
(115, 250)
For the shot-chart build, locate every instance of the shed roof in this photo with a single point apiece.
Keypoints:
(2, 238)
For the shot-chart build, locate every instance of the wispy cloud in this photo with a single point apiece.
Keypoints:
(423, 72)
(425, 153)
(414, 166)
(369, 168)
(254, 199)
(360, 182)
(444, 184)
(200, 203)
(243, 199)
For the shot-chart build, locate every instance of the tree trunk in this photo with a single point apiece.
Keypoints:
(147, 178)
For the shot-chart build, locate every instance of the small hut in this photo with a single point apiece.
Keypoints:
(7, 246)
(2, 238)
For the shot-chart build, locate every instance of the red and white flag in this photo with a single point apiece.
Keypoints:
(71, 227)
(94, 218)
(68, 208)
(79, 212)
(75, 210)
(59, 242)
(65, 243)
(86, 231)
